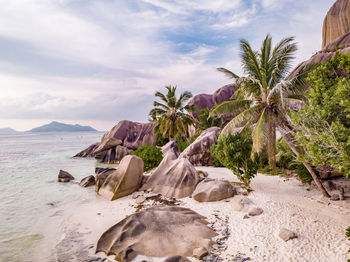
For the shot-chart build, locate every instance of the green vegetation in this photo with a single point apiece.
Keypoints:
(234, 152)
(324, 124)
(151, 156)
(171, 114)
(258, 98)
(264, 98)
(348, 236)
(206, 121)
(286, 159)
(182, 143)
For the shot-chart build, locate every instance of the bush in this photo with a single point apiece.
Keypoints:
(324, 123)
(287, 159)
(161, 141)
(348, 236)
(234, 152)
(181, 143)
(151, 156)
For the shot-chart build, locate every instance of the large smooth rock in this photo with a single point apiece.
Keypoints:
(101, 176)
(341, 44)
(171, 148)
(87, 181)
(159, 231)
(173, 178)
(197, 152)
(64, 176)
(125, 180)
(326, 172)
(213, 190)
(209, 101)
(336, 22)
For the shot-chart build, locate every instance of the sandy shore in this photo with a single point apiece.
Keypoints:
(71, 235)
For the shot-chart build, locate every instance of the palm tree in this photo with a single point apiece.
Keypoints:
(263, 98)
(171, 114)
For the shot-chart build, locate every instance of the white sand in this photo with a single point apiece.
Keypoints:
(319, 223)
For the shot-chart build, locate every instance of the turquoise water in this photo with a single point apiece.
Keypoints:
(29, 165)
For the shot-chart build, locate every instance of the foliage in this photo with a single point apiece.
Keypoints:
(151, 156)
(182, 143)
(287, 159)
(324, 124)
(234, 152)
(161, 141)
(262, 94)
(206, 120)
(171, 114)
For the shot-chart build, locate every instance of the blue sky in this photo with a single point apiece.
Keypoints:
(98, 62)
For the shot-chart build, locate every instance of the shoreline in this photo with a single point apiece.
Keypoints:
(319, 223)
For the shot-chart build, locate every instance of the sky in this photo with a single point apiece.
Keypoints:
(97, 62)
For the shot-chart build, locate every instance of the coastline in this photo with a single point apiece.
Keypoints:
(319, 223)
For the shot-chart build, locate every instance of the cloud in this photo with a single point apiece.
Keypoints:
(103, 60)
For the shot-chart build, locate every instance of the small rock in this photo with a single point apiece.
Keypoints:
(341, 194)
(140, 199)
(335, 197)
(256, 211)
(240, 203)
(87, 181)
(286, 234)
(245, 216)
(200, 252)
(64, 176)
(136, 194)
(176, 259)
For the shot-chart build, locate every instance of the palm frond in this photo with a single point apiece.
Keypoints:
(228, 73)
(242, 119)
(250, 61)
(228, 107)
(259, 132)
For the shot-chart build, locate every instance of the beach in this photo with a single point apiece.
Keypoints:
(318, 222)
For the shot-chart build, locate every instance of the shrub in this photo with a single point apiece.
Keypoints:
(234, 152)
(161, 141)
(181, 143)
(287, 159)
(324, 123)
(151, 156)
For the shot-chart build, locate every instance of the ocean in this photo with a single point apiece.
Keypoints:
(30, 193)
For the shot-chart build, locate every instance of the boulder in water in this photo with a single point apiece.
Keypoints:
(87, 181)
(159, 231)
(64, 176)
(125, 180)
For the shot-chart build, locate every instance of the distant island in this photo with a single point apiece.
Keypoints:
(62, 127)
(7, 131)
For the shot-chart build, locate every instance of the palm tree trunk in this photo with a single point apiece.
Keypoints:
(271, 141)
(287, 133)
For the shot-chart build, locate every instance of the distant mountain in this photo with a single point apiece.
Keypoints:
(7, 131)
(61, 127)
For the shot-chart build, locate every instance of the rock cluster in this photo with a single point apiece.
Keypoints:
(120, 141)
(144, 232)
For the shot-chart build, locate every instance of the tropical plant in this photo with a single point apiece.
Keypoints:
(347, 234)
(263, 98)
(171, 114)
(151, 156)
(206, 121)
(234, 151)
(182, 143)
(324, 124)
